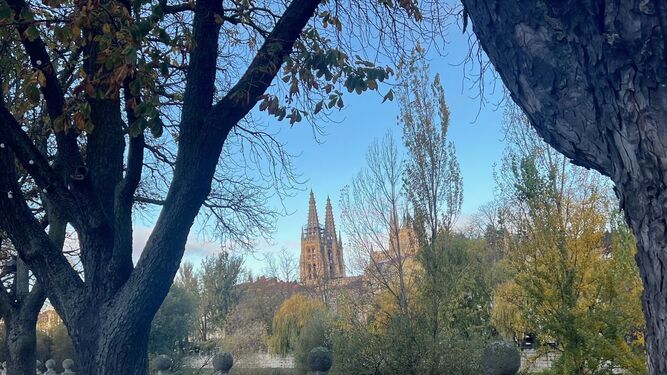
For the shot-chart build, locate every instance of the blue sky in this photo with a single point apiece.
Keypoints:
(329, 162)
(328, 165)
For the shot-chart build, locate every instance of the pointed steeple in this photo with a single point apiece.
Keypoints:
(329, 224)
(313, 221)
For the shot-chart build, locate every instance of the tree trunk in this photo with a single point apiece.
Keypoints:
(646, 212)
(21, 344)
(108, 313)
(591, 75)
(110, 348)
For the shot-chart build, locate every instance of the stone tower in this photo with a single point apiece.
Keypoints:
(321, 249)
(333, 243)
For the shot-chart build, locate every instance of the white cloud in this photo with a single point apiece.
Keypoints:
(196, 248)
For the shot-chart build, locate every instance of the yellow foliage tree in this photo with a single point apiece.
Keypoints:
(573, 277)
(290, 319)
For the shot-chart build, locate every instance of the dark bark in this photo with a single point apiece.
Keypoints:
(591, 75)
(20, 313)
(20, 332)
(108, 315)
(21, 342)
(107, 344)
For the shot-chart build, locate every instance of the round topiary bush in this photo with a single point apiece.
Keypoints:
(320, 359)
(68, 364)
(501, 358)
(162, 363)
(223, 362)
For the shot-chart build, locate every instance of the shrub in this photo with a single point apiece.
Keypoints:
(501, 358)
(320, 359)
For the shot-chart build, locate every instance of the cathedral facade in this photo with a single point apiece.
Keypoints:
(321, 248)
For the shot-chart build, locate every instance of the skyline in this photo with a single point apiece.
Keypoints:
(327, 162)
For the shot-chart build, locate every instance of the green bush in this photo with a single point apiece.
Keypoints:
(501, 358)
(314, 334)
(320, 359)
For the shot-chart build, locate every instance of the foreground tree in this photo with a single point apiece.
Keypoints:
(592, 78)
(292, 317)
(101, 74)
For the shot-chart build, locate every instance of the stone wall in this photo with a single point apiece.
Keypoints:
(259, 360)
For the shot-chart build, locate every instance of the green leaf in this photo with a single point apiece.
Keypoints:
(130, 55)
(318, 106)
(137, 127)
(164, 69)
(5, 11)
(156, 127)
(59, 123)
(32, 93)
(158, 11)
(26, 15)
(32, 33)
(135, 87)
(164, 36)
(281, 113)
(143, 27)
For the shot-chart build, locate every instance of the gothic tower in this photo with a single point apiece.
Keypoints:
(321, 250)
(333, 244)
(312, 252)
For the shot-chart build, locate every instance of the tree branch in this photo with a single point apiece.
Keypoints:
(264, 67)
(35, 299)
(200, 145)
(177, 8)
(121, 262)
(33, 244)
(12, 136)
(68, 150)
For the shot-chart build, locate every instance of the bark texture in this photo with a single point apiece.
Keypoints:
(592, 77)
(109, 314)
(21, 342)
(20, 316)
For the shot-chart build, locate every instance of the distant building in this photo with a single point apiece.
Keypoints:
(402, 244)
(321, 248)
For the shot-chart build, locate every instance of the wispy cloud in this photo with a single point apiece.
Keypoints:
(196, 248)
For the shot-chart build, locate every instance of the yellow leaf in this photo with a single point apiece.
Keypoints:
(41, 78)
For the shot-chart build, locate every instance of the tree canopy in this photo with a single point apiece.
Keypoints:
(112, 105)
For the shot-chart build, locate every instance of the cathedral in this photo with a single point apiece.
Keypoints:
(321, 248)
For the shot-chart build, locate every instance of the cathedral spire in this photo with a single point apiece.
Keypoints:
(313, 221)
(329, 224)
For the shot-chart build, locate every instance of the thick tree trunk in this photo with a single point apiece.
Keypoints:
(591, 75)
(108, 315)
(21, 344)
(110, 348)
(646, 211)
